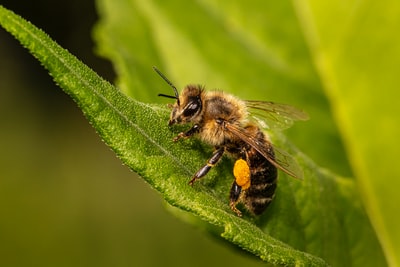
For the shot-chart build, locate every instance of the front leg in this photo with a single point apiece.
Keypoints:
(216, 156)
(188, 133)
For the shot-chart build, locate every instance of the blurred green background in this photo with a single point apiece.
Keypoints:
(65, 199)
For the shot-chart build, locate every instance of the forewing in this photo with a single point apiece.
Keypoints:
(287, 163)
(277, 157)
(270, 115)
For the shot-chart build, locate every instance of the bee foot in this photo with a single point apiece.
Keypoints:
(191, 182)
(234, 209)
(179, 136)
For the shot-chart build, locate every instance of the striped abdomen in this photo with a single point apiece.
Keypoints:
(255, 177)
(263, 182)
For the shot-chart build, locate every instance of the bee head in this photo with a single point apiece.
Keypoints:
(188, 105)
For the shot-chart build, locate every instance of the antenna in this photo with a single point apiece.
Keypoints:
(170, 84)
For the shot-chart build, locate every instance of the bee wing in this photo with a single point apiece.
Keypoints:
(270, 115)
(277, 157)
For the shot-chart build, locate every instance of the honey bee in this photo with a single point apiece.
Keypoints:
(234, 126)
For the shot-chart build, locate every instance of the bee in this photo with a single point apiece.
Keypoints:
(235, 127)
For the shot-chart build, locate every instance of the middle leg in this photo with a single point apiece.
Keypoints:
(216, 156)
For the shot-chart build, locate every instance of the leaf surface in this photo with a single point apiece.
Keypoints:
(357, 56)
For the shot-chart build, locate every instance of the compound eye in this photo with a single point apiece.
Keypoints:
(192, 108)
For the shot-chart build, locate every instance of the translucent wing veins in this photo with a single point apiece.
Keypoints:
(270, 115)
(277, 157)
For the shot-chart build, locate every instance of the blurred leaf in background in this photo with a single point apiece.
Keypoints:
(355, 48)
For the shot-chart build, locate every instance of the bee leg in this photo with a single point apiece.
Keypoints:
(188, 133)
(234, 197)
(210, 163)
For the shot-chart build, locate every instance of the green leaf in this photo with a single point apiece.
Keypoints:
(358, 60)
(314, 222)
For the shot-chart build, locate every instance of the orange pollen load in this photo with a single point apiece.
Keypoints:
(241, 171)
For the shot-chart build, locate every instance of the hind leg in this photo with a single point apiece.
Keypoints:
(241, 171)
(234, 197)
